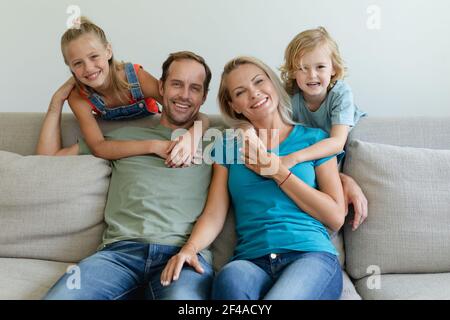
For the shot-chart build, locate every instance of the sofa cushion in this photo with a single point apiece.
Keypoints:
(408, 226)
(28, 279)
(432, 286)
(51, 207)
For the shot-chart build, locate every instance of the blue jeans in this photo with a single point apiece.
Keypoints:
(125, 268)
(285, 276)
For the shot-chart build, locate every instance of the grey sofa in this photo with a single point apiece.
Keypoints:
(51, 208)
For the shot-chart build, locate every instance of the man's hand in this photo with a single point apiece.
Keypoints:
(354, 195)
(184, 152)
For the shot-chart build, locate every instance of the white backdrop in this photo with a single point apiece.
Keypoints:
(397, 51)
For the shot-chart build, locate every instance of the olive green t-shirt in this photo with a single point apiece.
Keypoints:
(149, 202)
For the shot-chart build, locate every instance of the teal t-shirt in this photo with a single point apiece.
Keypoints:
(337, 108)
(267, 220)
(149, 202)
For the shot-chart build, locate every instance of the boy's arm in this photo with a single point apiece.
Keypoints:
(324, 148)
(354, 195)
(186, 148)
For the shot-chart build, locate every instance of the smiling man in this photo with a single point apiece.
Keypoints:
(149, 214)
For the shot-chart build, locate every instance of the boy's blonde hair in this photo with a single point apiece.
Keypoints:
(305, 42)
(86, 27)
(236, 120)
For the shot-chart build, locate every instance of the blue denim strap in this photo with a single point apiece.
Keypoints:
(98, 102)
(135, 87)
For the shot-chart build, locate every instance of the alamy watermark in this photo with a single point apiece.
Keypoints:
(374, 280)
(73, 282)
(73, 21)
(374, 17)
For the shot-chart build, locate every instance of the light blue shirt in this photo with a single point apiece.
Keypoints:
(267, 220)
(337, 108)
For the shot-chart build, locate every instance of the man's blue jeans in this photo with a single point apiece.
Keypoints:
(124, 268)
(285, 276)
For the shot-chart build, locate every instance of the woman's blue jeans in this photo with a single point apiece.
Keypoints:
(124, 268)
(285, 276)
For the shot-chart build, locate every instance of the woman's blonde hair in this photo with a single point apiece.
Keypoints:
(85, 27)
(236, 120)
(305, 42)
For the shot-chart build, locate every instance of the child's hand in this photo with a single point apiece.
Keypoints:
(289, 161)
(355, 196)
(162, 148)
(64, 91)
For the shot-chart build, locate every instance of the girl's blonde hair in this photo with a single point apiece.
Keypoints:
(87, 27)
(236, 120)
(305, 42)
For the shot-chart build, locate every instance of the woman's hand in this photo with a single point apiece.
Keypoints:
(258, 159)
(171, 272)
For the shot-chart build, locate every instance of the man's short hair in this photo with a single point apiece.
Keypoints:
(187, 55)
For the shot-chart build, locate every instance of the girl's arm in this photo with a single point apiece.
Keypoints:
(111, 149)
(206, 229)
(324, 148)
(49, 142)
(183, 154)
(326, 204)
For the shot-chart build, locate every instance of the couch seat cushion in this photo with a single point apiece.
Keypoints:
(431, 286)
(28, 279)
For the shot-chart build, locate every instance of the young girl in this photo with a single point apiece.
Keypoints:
(114, 91)
(312, 73)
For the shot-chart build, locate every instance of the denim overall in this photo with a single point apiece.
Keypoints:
(135, 110)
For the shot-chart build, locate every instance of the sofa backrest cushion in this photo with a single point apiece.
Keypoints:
(408, 227)
(51, 207)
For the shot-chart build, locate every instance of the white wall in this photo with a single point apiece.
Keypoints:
(402, 68)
